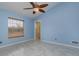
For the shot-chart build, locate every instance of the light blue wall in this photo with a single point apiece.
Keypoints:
(28, 27)
(61, 23)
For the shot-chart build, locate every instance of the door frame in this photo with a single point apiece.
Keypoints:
(35, 29)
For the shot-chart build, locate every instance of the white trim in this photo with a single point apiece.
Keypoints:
(59, 44)
(10, 44)
(35, 28)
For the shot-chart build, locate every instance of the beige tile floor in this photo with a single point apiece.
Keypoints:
(38, 48)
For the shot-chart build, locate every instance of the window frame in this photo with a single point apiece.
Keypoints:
(12, 18)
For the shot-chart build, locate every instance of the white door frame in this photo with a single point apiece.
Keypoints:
(35, 29)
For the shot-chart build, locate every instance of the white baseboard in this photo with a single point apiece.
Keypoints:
(10, 44)
(60, 44)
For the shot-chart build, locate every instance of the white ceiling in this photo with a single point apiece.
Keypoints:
(18, 7)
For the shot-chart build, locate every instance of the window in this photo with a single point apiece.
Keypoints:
(15, 27)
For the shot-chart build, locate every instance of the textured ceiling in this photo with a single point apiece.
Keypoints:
(18, 7)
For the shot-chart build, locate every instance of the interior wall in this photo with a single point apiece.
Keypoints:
(28, 28)
(61, 23)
